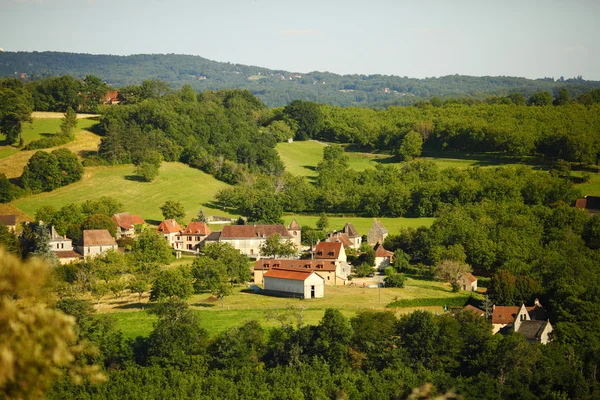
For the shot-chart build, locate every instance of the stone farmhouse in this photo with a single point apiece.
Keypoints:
(248, 239)
(294, 283)
(126, 224)
(377, 233)
(348, 236)
(468, 282)
(62, 246)
(95, 242)
(383, 257)
(528, 321)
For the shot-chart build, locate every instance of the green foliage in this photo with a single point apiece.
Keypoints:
(48, 171)
(47, 142)
(100, 221)
(69, 122)
(394, 280)
(150, 248)
(8, 240)
(363, 269)
(172, 209)
(147, 171)
(171, 284)
(276, 248)
(410, 147)
(236, 264)
(8, 191)
(15, 108)
(458, 301)
(323, 222)
(307, 116)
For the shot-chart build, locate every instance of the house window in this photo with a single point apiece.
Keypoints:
(189, 238)
(295, 233)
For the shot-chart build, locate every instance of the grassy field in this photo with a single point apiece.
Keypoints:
(241, 306)
(301, 158)
(12, 160)
(176, 181)
(591, 188)
(362, 224)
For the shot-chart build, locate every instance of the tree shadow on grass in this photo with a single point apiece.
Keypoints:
(134, 178)
(204, 305)
(133, 306)
(96, 129)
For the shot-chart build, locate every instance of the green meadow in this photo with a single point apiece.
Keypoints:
(362, 224)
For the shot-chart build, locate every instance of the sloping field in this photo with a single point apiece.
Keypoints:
(176, 181)
(12, 160)
(362, 224)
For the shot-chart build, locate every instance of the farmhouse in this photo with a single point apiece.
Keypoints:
(62, 247)
(248, 239)
(468, 282)
(96, 241)
(327, 269)
(528, 321)
(9, 221)
(294, 283)
(377, 233)
(170, 229)
(328, 251)
(383, 257)
(126, 224)
(193, 236)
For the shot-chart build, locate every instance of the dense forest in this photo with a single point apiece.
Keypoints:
(275, 87)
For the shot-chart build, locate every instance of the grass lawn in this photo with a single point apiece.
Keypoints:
(362, 224)
(241, 307)
(176, 181)
(12, 160)
(591, 188)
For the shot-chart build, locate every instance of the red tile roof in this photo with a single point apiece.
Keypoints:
(477, 311)
(581, 203)
(253, 231)
(381, 252)
(169, 226)
(470, 277)
(8, 220)
(311, 265)
(294, 226)
(293, 274)
(340, 237)
(328, 250)
(97, 237)
(197, 228)
(67, 254)
(127, 221)
(137, 220)
(507, 314)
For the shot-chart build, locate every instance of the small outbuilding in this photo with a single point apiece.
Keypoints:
(468, 282)
(294, 283)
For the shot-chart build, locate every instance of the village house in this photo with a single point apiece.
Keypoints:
(126, 224)
(193, 236)
(591, 204)
(528, 321)
(328, 269)
(348, 236)
(296, 232)
(383, 257)
(62, 247)
(170, 229)
(468, 282)
(96, 241)
(294, 283)
(377, 233)
(248, 239)
(9, 221)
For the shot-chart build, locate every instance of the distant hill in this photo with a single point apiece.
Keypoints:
(274, 87)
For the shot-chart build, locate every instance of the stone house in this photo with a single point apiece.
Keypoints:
(295, 232)
(294, 283)
(193, 236)
(383, 257)
(528, 321)
(468, 282)
(348, 236)
(170, 229)
(126, 224)
(95, 242)
(248, 239)
(62, 246)
(377, 233)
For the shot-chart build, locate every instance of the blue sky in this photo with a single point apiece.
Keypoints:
(394, 37)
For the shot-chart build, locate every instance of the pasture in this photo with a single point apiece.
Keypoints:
(362, 224)
(176, 181)
(243, 306)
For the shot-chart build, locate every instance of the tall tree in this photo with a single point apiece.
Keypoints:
(307, 115)
(172, 209)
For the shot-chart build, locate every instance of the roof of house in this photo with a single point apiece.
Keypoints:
(213, 236)
(340, 237)
(67, 254)
(54, 236)
(315, 265)
(253, 231)
(8, 220)
(381, 252)
(294, 226)
(507, 314)
(532, 330)
(197, 228)
(97, 237)
(328, 250)
(137, 220)
(169, 226)
(127, 221)
(293, 274)
(470, 277)
(588, 203)
(350, 230)
(378, 226)
(478, 311)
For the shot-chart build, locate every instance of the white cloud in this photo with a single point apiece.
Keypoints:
(300, 32)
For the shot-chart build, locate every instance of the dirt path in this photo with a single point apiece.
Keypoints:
(55, 115)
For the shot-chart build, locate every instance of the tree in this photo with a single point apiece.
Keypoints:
(394, 280)
(307, 115)
(69, 166)
(8, 240)
(26, 374)
(147, 164)
(211, 275)
(266, 210)
(323, 222)
(147, 171)
(363, 269)
(540, 99)
(139, 286)
(35, 241)
(201, 216)
(503, 290)
(236, 264)
(100, 221)
(151, 248)
(333, 338)
(42, 173)
(275, 247)
(410, 147)
(16, 105)
(173, 210)
(451, 271)
(563, 97)
(69, 122)
(103, 205)
(171, 284)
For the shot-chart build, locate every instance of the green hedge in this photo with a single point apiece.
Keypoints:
(48, 142)
(441, 301)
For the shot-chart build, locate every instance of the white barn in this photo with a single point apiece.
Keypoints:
(294, 283)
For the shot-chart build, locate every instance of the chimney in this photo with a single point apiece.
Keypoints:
(537, 303)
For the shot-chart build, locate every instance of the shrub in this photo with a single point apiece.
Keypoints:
(394, 280)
